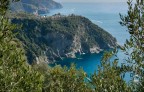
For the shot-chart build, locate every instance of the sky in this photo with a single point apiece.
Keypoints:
(90, 0)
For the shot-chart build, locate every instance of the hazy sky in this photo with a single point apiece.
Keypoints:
(91, 0)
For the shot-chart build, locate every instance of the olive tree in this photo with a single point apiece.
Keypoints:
(110, 77)
(134, 47)
(15, 74)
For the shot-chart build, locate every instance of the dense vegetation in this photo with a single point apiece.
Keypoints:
(58, 36)
(17, 76)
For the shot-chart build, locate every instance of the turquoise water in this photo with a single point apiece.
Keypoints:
(106, 15)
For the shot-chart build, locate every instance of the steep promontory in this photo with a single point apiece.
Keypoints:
(35, 6)
(58, 36)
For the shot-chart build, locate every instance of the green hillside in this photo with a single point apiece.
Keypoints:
(59, 36)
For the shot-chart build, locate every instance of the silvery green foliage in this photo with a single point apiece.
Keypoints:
(15, 74)
(134, 47)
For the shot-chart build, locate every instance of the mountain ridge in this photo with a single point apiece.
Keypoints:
(35, 6)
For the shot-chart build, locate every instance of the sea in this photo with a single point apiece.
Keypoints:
(105, 15)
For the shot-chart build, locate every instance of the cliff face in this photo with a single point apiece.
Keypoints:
(62, 36)
(35, 6)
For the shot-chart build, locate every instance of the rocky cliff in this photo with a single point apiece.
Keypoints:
(35, 6)
(59, 36)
